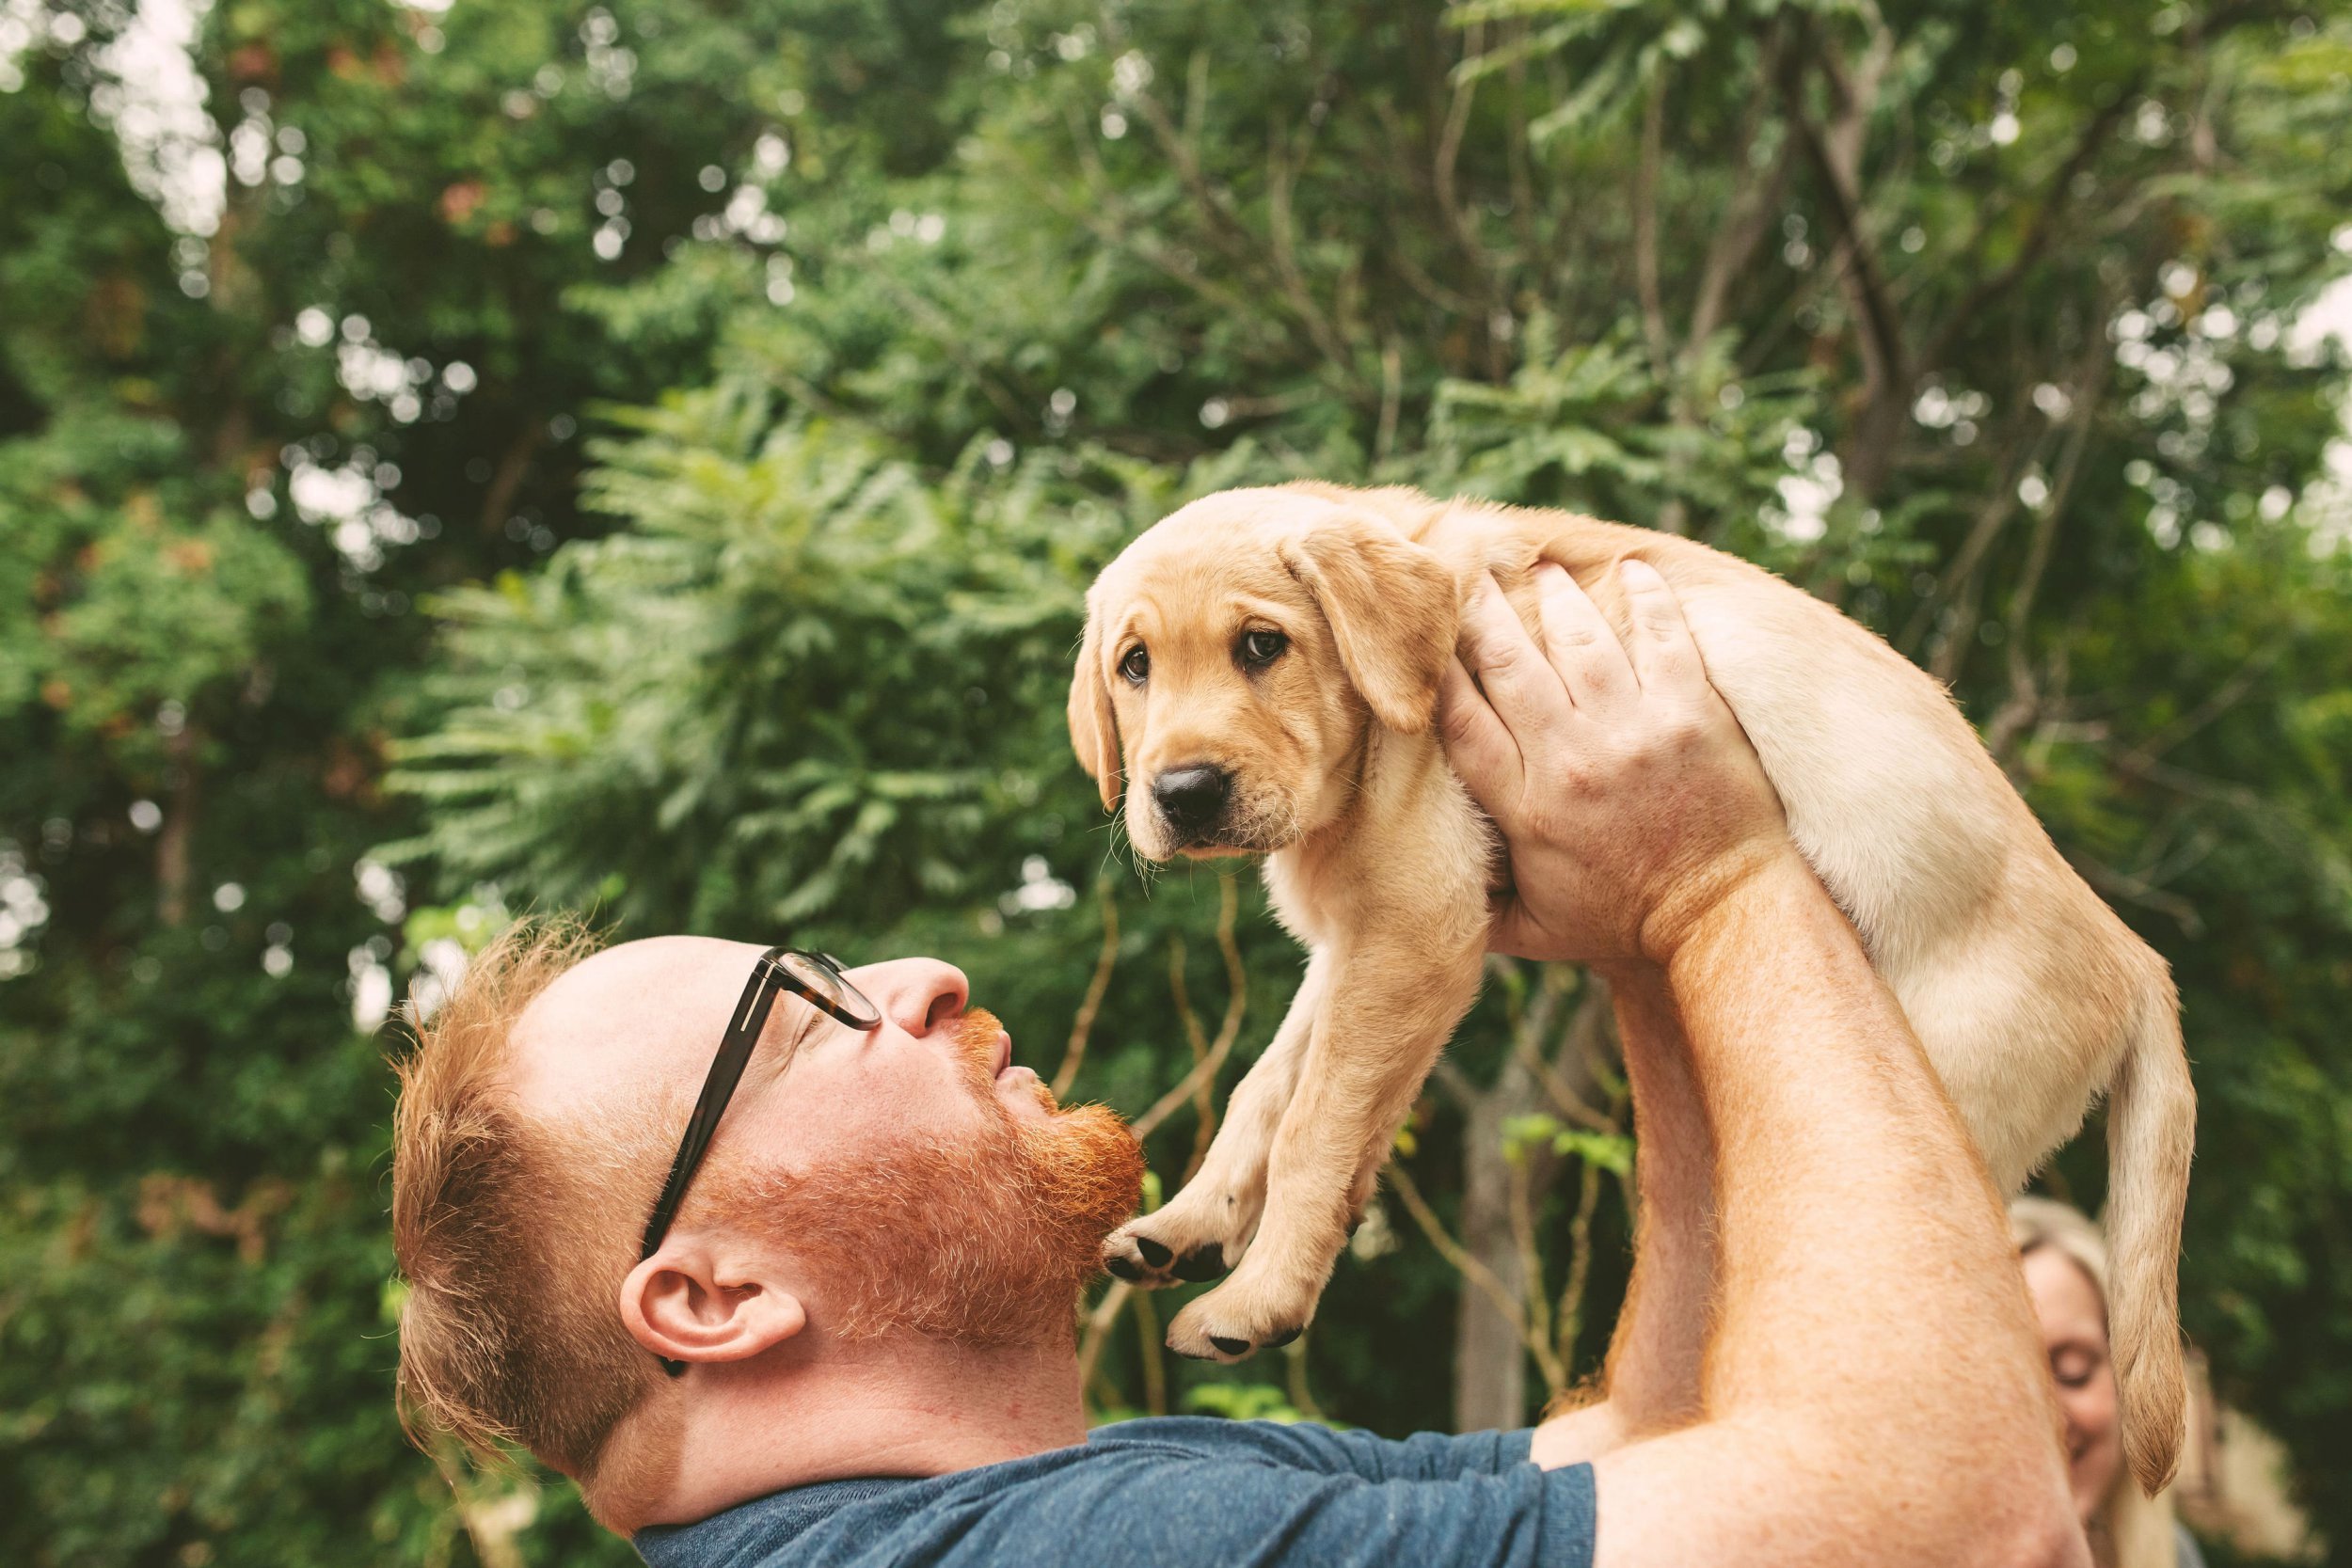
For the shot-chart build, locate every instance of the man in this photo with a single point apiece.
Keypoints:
(861, 1274)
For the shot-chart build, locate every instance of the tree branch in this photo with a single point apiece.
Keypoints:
(1646, 226)
(1082, 1026)
(1149, 1343)
(1469, 1267)
(1449, 150)
(2039, 231)
(1295, 1380)
(1539, 1336)
(2218, 702)
(2025, 699)
(1735, 244)
(497, 501)
(1203, 1091)
(1886, 364)
(1455, 1083)
(174, 845)
(1204, 1070)
(1959, 576)
(1569, 1314)
(2136, 890)
(1098, 1326)
(1582, 1033)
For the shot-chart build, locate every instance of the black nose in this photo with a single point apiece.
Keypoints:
(1191, 798)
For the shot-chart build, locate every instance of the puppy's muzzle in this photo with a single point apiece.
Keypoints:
(1192, 801)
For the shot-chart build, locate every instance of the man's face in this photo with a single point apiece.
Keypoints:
(910, 1176)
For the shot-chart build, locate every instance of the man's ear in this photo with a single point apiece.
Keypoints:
(685, 1304)
(1391, 607)
(1094, 727)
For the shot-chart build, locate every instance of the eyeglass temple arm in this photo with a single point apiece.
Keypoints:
(726, 1070)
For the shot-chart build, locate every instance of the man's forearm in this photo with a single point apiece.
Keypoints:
(1652, 1379)
(1655, 1356)
(1869, 1323)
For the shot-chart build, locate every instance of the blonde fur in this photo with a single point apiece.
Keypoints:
(2030, 995)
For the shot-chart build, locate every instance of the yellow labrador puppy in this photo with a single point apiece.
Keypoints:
(1260, 671)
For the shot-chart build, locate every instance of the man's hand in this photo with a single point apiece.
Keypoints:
(1628, 797)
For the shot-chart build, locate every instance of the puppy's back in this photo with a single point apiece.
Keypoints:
(1849, 729)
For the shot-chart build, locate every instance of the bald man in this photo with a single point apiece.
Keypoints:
(823, 1312)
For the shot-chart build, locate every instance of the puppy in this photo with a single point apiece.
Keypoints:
(1260, 671)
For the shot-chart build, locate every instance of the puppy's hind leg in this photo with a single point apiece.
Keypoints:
(1205, 1229)
(1387, 1011)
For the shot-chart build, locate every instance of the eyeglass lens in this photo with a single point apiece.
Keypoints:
(822, 975)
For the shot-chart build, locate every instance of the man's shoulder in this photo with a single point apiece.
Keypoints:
(918, 1519)
(1297, 1443)
(1175, 1490)
(1315, 1447)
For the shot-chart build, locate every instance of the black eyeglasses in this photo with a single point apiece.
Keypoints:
(816, 978)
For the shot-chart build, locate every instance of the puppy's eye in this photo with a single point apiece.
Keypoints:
(1262, 648)
(1137, 665)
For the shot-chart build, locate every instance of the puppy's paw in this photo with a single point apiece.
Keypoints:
(1198, 1236)
(1234, 1321)
(1132, 1253)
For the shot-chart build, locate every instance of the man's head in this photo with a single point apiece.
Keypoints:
(904, 1181)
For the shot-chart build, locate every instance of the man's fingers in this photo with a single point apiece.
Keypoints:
(1520, 684)
(1479, 750)
(1580, 644)
(1665, 657)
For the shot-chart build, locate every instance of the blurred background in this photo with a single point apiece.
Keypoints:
(471, 456)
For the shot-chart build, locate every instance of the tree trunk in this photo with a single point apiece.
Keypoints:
(179, 828)
(1489, 1359)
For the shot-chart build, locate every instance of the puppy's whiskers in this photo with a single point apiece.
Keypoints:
(1121, 843)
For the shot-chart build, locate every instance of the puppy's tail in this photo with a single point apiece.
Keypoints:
(2151, 1131)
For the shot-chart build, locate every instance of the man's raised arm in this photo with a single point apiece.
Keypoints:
(1872, 1391)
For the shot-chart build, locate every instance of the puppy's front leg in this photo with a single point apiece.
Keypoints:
(1389, 1005)
(1203, 1230)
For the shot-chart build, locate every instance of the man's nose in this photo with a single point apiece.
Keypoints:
(917, 994)
(1191, 797)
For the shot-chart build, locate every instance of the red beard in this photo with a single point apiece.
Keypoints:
(985, 1241)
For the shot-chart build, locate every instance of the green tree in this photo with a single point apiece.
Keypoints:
(892, 322)
(288, 343)
(1982, 325)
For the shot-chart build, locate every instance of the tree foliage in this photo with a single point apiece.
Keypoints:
(649, 459)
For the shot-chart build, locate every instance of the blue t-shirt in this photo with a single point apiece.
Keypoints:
(1180, 1492)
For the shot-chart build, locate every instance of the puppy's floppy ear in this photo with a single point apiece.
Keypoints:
(1392, 606)
(1094, 727)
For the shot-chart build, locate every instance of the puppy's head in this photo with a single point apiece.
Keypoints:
(1234, 656)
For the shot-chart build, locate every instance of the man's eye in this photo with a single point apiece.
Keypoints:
(1137, 665)
(1262, 648)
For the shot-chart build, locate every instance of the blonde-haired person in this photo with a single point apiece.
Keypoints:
(2065, 1260)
